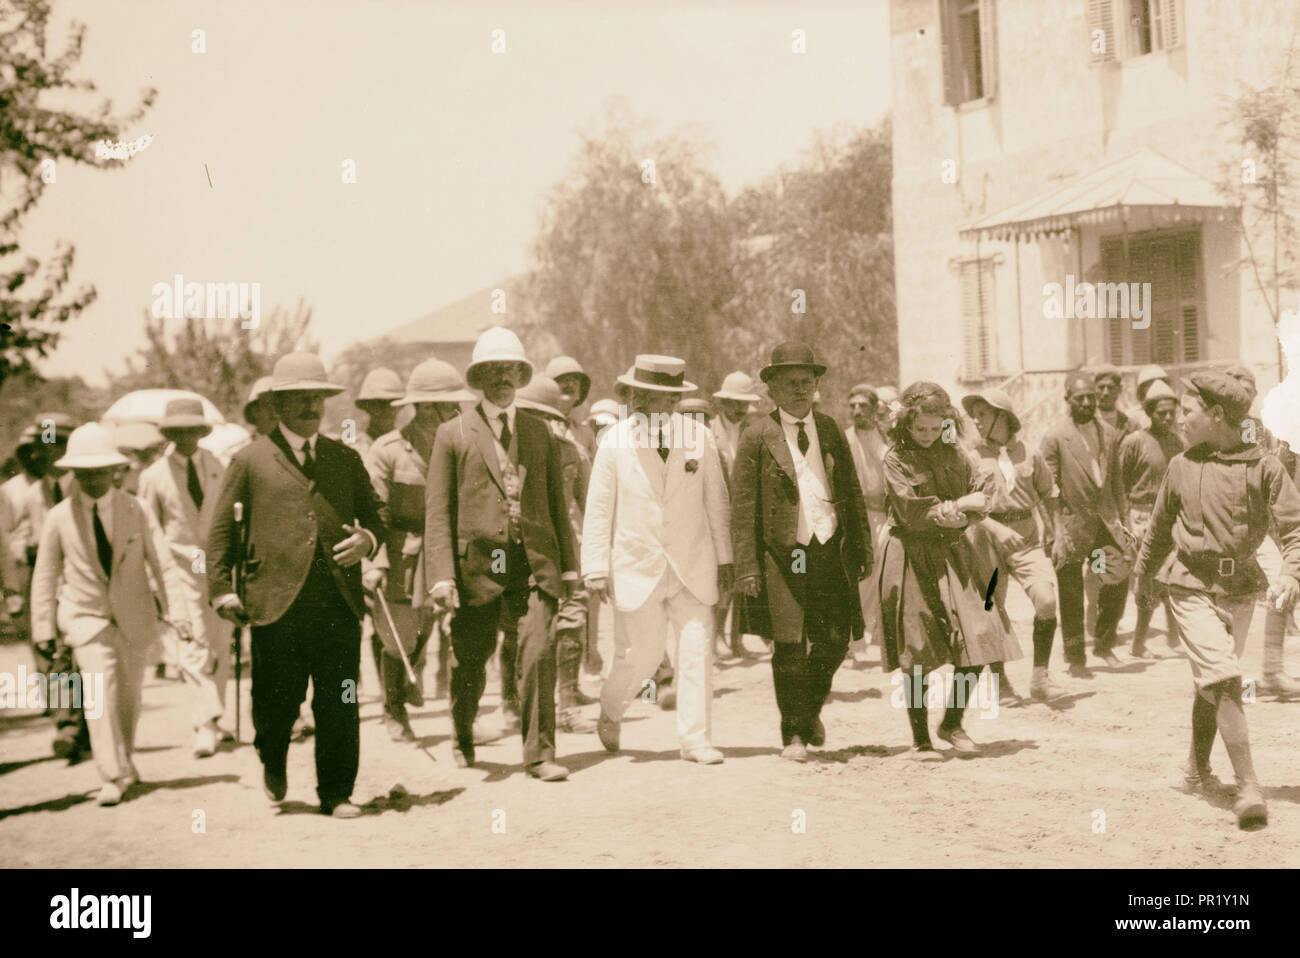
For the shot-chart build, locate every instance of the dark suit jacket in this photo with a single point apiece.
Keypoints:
(466, 514)
(287, 516)
(1083, 502)
(765, 518)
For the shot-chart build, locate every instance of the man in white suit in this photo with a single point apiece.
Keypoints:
(657, 541)
(98, 549)
(174, 489)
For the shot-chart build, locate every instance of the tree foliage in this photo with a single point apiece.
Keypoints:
(34, 139)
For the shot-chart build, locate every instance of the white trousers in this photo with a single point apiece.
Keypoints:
(111, 722)
(639, 641)
(206, 664)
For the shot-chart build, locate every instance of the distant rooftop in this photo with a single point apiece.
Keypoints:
(458, 322)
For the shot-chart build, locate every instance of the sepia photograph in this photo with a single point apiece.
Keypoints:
(737, 434)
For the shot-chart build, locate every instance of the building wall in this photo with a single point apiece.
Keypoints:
(1055, 117)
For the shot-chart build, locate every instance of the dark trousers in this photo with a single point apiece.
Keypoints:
(474, 639)
(318, 638)
(802, 671)
(69, 720)
(1110, 608)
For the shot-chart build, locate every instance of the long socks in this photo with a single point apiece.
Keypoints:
(1044, 633)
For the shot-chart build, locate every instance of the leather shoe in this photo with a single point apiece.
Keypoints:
(275, 785)
(607, 731)
(109, 794)
(961, 742)
(341, 810)
(704, 755)
(795, 751)
(1080, 672)
(1249, 807)
(548, 771)
(818, 736)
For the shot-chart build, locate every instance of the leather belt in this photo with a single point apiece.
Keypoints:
(1014, 515)
(1210, 565)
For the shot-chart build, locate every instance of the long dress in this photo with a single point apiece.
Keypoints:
(932, 581)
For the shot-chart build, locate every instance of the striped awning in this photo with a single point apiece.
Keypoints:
(1146, 190)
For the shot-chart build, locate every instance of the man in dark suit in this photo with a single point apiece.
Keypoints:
(497, 532)
(1080, 451)
(312, 516)
(801, 542)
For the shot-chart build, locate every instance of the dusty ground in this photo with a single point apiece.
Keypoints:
(1035, 799)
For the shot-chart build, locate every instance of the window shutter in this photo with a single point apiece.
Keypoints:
(977, 318)
(1171, 32)
(1101, 16)
(1187, 254)
(1140, 272)
(1112, 266)
(989, 47)
(1191, 335)
(947, 46)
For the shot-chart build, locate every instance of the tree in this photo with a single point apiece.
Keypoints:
(217, 359)
(633, 255)
(1265, 184)
(33, 139)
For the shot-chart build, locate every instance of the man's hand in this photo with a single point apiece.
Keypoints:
(184, 630)
(444, 597)
(748, 585)
(949, 516)
(232, 610)
(1059, 551)
(374, 580)
(726, 576)
(598, 588)
(1283, 593)
(348, 552)
(14, 603)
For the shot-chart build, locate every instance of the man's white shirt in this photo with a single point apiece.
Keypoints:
(816, 514)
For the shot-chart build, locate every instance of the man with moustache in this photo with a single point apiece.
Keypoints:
(497, 533)
(1080, 451)
(311, 516)
(801, 542)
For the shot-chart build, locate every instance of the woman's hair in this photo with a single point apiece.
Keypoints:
(921, 399)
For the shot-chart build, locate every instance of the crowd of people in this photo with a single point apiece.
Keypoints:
(500, 519)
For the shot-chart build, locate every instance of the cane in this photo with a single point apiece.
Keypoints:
(238, 571)
(397, 639)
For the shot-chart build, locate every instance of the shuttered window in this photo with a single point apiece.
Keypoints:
(969, 44)
(1120, 29)
(1171, 263)
(978, 319)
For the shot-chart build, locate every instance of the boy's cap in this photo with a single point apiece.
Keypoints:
(1220, 389)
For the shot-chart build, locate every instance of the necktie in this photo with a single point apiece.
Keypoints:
(58, 492)
(802, 440)
(192, 482)
(1008, 469)
(662, 443)
(102, 545)
(308, 464)
(505, 431)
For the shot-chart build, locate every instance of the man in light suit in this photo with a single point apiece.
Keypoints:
(175, 489)
(97, 552)
(868, 449)
(656, 541)
(312, 516)
(497, 532)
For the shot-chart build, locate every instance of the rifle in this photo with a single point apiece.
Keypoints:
(239, 574)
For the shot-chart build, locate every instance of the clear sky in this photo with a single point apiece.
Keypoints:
(455, 146)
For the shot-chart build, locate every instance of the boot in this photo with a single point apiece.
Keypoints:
(568, 660)
(1041, 686)
(1275, 681)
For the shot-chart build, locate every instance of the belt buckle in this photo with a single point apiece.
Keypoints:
(1227, 568)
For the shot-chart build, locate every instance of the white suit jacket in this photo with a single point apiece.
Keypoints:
(165, 493)
(69, 586)
(644, 515)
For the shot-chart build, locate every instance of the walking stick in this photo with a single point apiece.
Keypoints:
(241, 558)
(397, 638)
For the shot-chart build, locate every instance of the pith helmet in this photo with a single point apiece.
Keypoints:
(434, 381)
(380, 385)
(738, 386)
(497, 345)
(91, 447)
(604, 412)
(568, 366)
(301, 372)
(542, 394)
(997, 399)
(263, 385)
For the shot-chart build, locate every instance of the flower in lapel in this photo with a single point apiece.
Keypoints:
(692, 463)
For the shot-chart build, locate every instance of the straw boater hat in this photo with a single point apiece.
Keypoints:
(184, 413)
(91, 447)
(1159, 390)
(791, 356)
(661, 374)
(543, 395)
(380, 385)
(497, 345)
(997, 399)
(434, 381)
(301, 372)
(738, 386)
(260, 387)
(568, 366)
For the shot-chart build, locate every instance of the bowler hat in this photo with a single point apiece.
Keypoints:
(301, 372)
(184, 413)
(791, 355)
(997, 399)
(434, 381)
(91, 447)
(665, 374)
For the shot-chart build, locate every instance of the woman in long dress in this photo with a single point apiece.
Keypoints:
(931, 580)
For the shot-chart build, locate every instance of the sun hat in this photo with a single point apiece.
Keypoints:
(657, 374)
(434, 381)
(301, 372)
(91, 447)
(497, 345)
